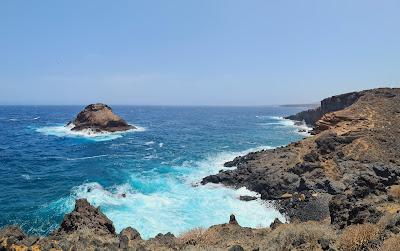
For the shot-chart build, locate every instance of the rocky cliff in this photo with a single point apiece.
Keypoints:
(344, 173)
(334, 103)
(99, 118)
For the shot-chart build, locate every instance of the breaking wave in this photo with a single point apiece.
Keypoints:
(172, 201)
(66, 131)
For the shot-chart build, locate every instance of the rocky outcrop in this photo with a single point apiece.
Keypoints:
(334, 103)
(85, 218)
(99, 118)
(87, 228)
(343, 173)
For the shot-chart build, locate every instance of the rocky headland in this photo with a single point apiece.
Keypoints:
(339, 189)
(99, 118)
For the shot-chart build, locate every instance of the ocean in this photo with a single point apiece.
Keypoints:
(148, 178)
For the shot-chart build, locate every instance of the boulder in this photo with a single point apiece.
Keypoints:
(86, 218)
(99, 118)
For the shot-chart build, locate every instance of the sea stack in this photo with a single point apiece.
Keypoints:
(99, 118)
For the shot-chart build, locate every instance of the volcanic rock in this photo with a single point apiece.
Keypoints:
(353, 158)
(99, 118)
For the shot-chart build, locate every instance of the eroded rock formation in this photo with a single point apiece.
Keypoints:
(99, 118)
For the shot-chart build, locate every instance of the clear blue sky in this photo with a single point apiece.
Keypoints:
(204, 52)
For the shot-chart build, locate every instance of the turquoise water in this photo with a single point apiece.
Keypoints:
(146, 178)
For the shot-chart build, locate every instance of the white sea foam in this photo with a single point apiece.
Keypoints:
(299, 127)
(155, 202)
(26, 176)
(89, 157)
(149, 143)
(66, 131)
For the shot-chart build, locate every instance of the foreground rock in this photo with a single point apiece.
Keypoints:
(99, 118)
(343, 174)
(86, 228)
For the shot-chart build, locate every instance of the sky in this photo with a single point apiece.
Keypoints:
(206, 52)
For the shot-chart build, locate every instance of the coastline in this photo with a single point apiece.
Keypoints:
(326, 178)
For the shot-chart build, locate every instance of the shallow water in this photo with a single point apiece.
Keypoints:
(146, 178)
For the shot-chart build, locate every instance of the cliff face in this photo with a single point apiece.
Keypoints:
(343, 173)
(334, 103)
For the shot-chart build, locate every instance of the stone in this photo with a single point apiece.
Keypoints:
(247, 198)
(99, 118)
(86, 218)
(275, 224)
(130, 233)
(236, 248)
(232, 220)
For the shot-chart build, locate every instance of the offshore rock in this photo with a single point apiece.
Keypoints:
(99, 118)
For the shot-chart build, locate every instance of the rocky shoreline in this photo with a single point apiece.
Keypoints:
(340, 189)
(351, 160)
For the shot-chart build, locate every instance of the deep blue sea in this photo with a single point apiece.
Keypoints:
(147, 178)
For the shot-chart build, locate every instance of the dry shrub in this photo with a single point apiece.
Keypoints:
(388, 220)
(356, 236)
(193, 236)
(391, 244)
(394, 192)
(300, 236)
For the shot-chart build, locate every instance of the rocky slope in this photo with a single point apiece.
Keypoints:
(99, 118)
(344, 173)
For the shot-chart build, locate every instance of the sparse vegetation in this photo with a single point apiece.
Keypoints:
(356, 236)
(391, 244)
(192, 236)
(304, 236)
(394, 192)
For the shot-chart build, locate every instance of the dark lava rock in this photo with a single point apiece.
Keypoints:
(131, 233)
(247, 198)
(324, 243)
(126, 235)
(315, 208)
(232, 220)
(99, 118)
(86, 218)
(236, 248)
(346, 210)
(167, 239)
(275, 224)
